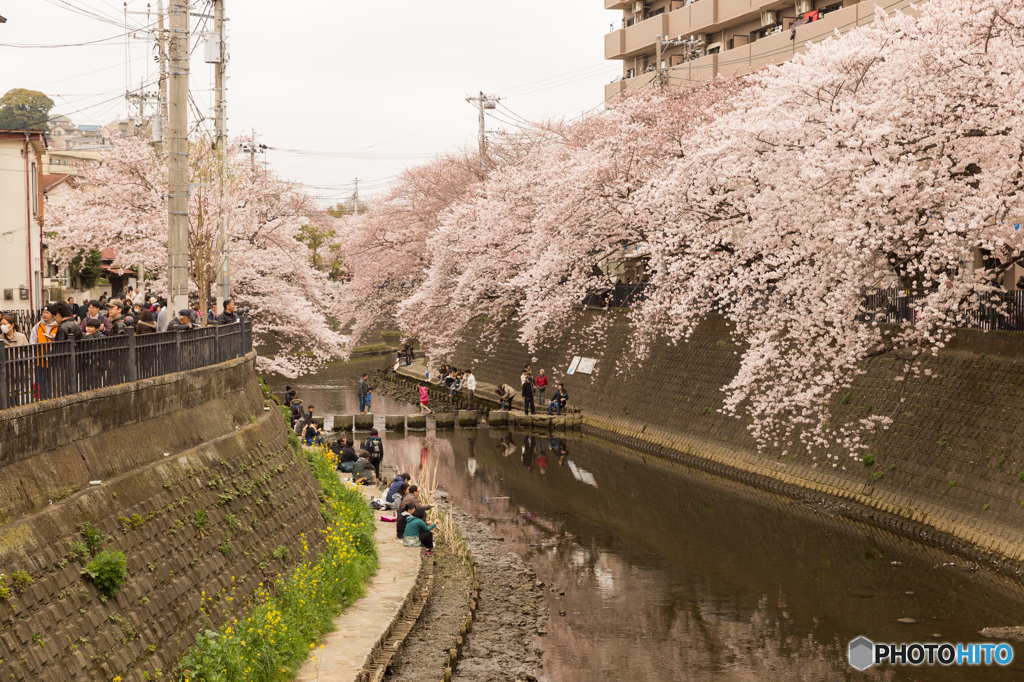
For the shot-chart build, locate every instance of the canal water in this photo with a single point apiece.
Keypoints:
(665, 573)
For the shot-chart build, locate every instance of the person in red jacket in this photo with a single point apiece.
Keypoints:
(542, 383)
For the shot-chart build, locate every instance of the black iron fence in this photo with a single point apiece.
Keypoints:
(1003, 311)
(32, 373)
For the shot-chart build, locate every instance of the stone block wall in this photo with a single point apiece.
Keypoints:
(953, 459)
(226, 457)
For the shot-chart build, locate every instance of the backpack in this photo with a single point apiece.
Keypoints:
(375, 447)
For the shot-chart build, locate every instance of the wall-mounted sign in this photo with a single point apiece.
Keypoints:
(586, 365)
(572, 365)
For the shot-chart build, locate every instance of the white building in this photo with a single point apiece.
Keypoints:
(21, 219)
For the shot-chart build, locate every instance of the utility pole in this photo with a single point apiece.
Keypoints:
(356, 198)
(162, 58)
(483, 102)
(219, 57)
(659, 78)
(177, 157)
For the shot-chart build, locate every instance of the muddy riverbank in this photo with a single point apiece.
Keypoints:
(510, 616)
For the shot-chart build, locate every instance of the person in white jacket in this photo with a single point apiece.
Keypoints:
(469, 381)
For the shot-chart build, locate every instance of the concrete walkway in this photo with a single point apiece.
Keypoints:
(341, 655)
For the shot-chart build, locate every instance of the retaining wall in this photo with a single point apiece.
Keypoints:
(952, 462)
(226, 457)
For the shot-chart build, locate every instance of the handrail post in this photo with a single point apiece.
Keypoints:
(133, 370)
(216, 344)
(177, 351)
(3, 379)
(72, 372)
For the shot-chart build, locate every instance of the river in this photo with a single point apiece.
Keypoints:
(666, 573)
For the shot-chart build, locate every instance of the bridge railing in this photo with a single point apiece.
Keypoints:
(33, 373)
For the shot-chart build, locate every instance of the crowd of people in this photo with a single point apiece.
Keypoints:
(528, 386)
(110, 316)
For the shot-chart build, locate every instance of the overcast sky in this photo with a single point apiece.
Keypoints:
(387, 80)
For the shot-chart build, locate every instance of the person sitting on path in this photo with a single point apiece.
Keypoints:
(418, 533)
(375, 446)
(336, 449)
(398, 503)
(527, 382)
(309, 433)
(395, 486)
(424, 399)
(348, 457)
(506, 393)
(558, 400)
(362, 471)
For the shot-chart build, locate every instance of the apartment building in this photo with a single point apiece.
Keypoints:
(699, 39)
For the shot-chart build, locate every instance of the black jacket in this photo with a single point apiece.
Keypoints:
(227, 318)
(69, 331)
(348, 454)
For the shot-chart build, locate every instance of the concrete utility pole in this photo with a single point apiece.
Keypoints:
(220, 67)
(177, 157)
(356, 198)
(162, 54)
(657, 59)
(483, 102)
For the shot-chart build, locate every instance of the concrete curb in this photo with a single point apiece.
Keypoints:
(391, 640)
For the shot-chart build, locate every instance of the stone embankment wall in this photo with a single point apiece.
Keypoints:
(950, 470)
(163, 449)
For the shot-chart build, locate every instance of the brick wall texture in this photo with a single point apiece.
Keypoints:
(226, 457)
(953, 461)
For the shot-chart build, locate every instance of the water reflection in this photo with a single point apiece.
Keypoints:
(333, 388)
(669, 574)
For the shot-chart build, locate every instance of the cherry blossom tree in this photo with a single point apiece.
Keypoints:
(121, 204)
(780, 201)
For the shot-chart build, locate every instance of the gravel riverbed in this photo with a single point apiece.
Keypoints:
(510, 616)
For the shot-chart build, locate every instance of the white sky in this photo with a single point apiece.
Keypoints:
(387, 80)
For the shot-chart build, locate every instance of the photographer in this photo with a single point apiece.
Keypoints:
(228, 316)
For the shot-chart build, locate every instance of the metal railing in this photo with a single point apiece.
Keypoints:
(33, 373)
(887, 306)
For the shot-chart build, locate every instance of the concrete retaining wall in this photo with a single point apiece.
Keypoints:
(953, 461)
(226, 457)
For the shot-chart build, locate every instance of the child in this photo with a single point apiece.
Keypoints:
(369, 397)
(424, 399)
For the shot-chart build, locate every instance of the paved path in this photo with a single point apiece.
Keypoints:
(341, 654)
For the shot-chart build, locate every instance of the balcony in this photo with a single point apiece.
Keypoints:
(617, 4)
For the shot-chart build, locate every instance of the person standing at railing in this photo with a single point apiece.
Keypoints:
(67, 328)
(11, 332)
(42, 335)
(95, 314)
(182, 323)
(228, 316)
(118, 322)
(146, 324)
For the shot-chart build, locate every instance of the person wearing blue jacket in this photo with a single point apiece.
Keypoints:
(395, 485)
(418, 533)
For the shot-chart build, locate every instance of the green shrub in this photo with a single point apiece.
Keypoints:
(5, 592)
(93, 537)
(282, 553)
(109, 572)
(868, 460)
(20, 580)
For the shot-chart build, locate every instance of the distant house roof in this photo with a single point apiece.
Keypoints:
(51, 180)
(89, 129)
(108, 254)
